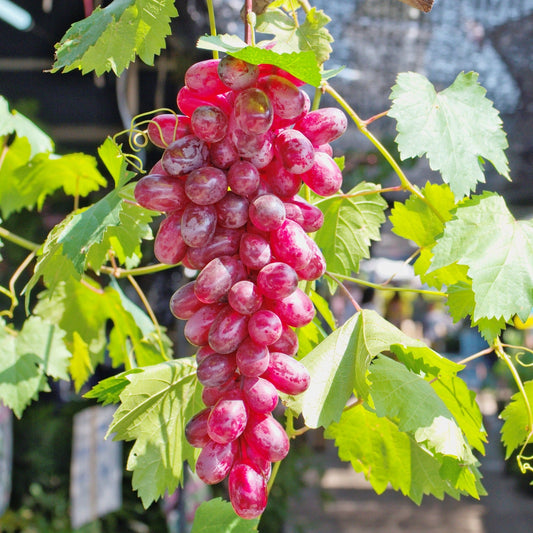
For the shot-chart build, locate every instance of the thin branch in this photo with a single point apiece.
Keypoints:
(212, 23)
(120, 273)
(481, 353)
(376, 117)
(248, 28)
(17, 239)
(406, 262)
(344, 290)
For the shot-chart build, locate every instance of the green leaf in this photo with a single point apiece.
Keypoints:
(28, 184)
(498, 251)
(516, 428)
(217, 516)
(156, 405)
(350, 224)
(457, 128)
(376, 447)
(110, 38)
(108, 390)
(338, 366)
(323, 308)
(309, 336)
(28, 359)
(14, 122)
(302, 65)
(289, 36)
(405, 396)
(417, 221)
(441, 373)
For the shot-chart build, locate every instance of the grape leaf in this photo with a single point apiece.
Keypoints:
(349, 226)
(28, 359)
(110, 38)
(289, 36)
(302, 65)
(338, 366)
(457, 128)
(84, 312)
(405, 396)
(108, 390)
(417, 221)
(441, 373)
(498, 251)
(516, 429)
(15, 122)
(156, 405)
(217, 516)
(376, 447)
(27, 185)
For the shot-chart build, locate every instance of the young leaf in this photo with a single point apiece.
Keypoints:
(110, 38)
(289, 36)
(498, 251)
(156, 405)
(217, 516)
(108, 390)
(302, 65)
(28, 359)
(516, 429)
(376, 447)
(22, 127)
(338, 366)
(350, 224)
(457, 128)
(417, 221)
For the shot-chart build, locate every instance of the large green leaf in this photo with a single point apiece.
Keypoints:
(302, 65)
(218, 516)
(291, 36)
(338, 366)
(350, 224)
(498, 251)
(457, 128)
(14, 122)
(110, 38)
(28, 359)
(156, 405)
(516, 429)
(386, 455)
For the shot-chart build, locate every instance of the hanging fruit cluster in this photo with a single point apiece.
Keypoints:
(228, 181)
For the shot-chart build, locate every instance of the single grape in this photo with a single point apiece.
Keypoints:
(198, 224)
(215, 461)
(324, 177)
(215, 279)
(228, 331)
(277, 280)
(267, 212)
(316, 266)
(232, 211)
(196, 429)
(169, 245)
(282, 182)
(323, 125)
(295, 310)
(252, 111)
(247, 490)
(209, 123)
(260, 394)
(266, 436)
(236, 73)
(252, 358)
(184, 303)
(309, 216)
(161, 192)
(227, 420)
(224, 242)
(287, 100)
(295, 151)
(245, 298)
(184, 155)
(287, 343)
(202, 77)
(254, 251)
(263, 156)
(243, 178)
(223, 154)
(248, 145)
(265, 327)
(206, 185)
(167, 127)
(289, 244)
(196, 329)
(203, 352)
(216, 369)
(287, 374)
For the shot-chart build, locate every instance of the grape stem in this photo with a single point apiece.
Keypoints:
(13, 280)
(249, 36)
(481, 353)
(344, 290)
(18, 240)
(212, 23)
(517, 356)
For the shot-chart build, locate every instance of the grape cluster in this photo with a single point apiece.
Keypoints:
(228, 181)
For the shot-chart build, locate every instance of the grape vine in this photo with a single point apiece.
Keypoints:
(250, 191)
